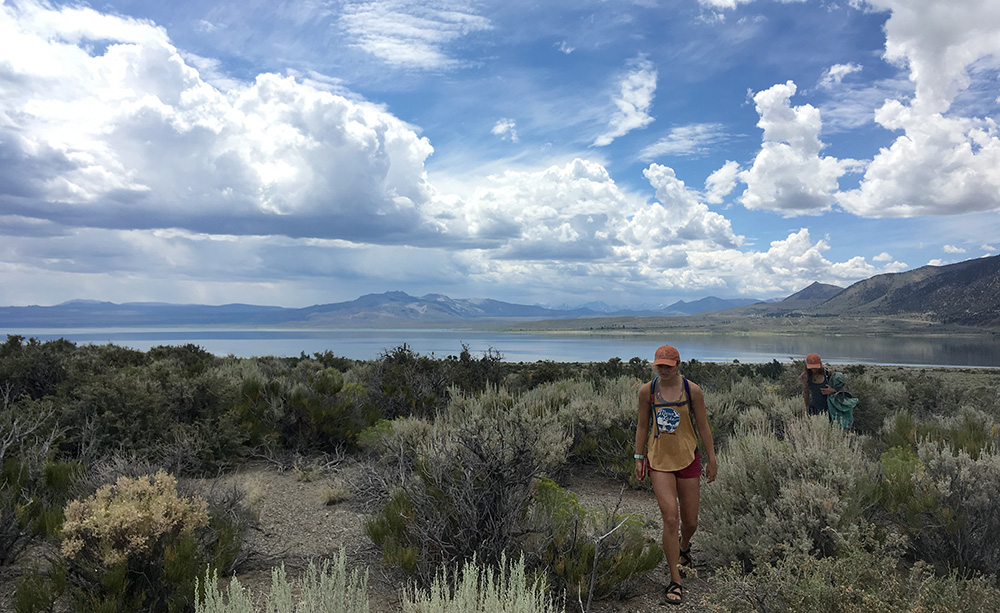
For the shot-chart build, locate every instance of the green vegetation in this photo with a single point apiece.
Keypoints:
(99, 445)
(328, 588)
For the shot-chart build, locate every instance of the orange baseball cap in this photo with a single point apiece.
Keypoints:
(813, 361)
(666, 355)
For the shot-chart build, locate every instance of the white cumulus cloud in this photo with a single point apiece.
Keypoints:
(128, 135)
(953, 249)
(567, 211)
(789, 174)
(942, 163)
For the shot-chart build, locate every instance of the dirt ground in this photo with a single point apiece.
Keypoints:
(298, 525)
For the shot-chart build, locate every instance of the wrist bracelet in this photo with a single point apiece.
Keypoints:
(638, 456)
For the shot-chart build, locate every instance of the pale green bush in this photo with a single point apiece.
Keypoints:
(464, 487)
(496, 416)
(747, 399)
(328, 588)
(599, 418)
(945, 501)
(331, 589)
(483, 589)
(969, 430)
(865, 578)
(804, 493)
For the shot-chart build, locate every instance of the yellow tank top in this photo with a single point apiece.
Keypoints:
(672, 439)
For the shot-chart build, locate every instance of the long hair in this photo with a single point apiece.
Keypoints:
(807, 376)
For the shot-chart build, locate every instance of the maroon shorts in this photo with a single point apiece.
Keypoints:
(691, 471)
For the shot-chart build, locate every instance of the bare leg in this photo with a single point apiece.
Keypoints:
(688, 494)
(665, 488)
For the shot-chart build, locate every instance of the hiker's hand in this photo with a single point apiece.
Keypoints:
(640, 469)
(711, 470)
(827, 390)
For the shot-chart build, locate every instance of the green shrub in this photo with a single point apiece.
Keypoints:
(589, 554)
(304, 409)
(879, 397)
(389, 530)
(32, 487)
(34, 369)
(35, 591)
(403, 383)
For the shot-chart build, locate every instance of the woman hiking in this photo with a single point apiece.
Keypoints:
(666, 447)
(816, 385)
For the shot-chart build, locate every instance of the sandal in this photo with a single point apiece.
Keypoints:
(685, 557)
(675, 589)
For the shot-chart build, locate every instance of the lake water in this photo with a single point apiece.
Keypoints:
(982, 351)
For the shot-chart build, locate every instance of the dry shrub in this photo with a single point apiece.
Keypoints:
(136, 544)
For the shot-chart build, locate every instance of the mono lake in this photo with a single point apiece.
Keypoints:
(367, 344)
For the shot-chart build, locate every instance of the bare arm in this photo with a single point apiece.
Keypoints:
(704, 430)
(642, 432)
(826, 389)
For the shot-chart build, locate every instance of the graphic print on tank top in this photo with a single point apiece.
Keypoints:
(667, 419)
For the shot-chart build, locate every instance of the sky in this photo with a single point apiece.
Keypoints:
(557, 152)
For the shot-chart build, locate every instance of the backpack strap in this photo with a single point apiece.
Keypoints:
(652, 404)
(652, 407)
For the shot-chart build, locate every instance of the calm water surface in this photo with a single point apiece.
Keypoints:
(368, 344)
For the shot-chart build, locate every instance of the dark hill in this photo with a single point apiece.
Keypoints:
(814, 294)
(967, 293)
(816, 291)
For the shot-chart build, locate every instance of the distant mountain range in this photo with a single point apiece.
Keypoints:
(967, 294)
(385, 310)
